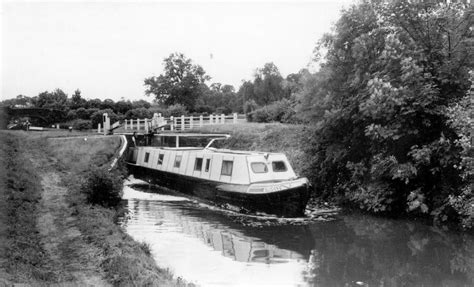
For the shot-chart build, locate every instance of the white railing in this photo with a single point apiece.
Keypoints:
(181, 123)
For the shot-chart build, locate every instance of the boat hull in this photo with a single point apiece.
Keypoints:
(290, 202)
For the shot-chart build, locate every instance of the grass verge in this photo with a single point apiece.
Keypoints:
(25, 158)
(125, 261)
(23, 260)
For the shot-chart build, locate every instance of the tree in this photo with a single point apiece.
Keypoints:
(268, 85)
(181, 82)
(123, 106)
(54, 100)
(77, 101)
(383, 140)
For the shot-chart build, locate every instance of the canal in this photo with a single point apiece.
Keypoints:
(212, 247)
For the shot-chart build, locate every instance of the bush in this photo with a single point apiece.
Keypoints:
(279, 111)
(82, 125)
(96, 117)
(103, 187)
(71, 115)
(176, 110)
(250, 106)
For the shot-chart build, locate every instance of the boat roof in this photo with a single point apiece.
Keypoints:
(210, 150)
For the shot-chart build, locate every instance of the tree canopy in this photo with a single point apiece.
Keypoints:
(383, 139)
(181, 83)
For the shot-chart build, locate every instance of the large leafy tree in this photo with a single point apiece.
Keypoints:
(182, 82)
(54, 100)
(268, 85)
(383, 138)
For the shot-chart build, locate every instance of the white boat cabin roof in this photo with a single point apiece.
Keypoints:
(222, 165)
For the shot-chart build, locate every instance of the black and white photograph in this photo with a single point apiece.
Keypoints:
(237, 143)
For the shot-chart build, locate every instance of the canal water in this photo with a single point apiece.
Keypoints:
(212, 247)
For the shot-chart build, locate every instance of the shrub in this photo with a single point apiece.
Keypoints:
(71, 115)
(103, 187)
(82, 125)
(250, 106)
(176, 110)
(138, 113)
(96, 117)
(279, 111)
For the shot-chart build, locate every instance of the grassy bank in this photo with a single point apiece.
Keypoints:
(125, 261)
(22, 256)
(92, 245)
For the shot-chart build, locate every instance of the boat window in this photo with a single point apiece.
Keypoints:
(198, 164)
(227, 167)
(279, 166)
(208, 164)
(160, 158)
(147, 156)
(177, 161)
(259, 167)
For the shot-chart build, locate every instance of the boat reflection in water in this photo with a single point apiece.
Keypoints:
(206, 247)
(211, 247)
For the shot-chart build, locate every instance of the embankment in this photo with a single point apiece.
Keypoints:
(49, 234)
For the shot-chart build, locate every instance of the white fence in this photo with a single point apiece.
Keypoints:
(181, 123)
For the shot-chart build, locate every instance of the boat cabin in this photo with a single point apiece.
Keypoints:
(222, 165)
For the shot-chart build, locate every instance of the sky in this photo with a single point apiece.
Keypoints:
(106, 49)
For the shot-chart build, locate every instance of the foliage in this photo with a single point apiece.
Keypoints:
(176, 110)
(53, 100)
(180, 84)
(139, 113)
(96, 117)
(103, 187)
(379, 105)
(219, 99)
(279, 111)
(81, 125)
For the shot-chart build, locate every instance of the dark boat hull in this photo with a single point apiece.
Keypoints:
(286, 203)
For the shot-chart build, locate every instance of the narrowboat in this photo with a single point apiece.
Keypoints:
(243, 181)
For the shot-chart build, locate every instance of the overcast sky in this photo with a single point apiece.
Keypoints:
(106, 49)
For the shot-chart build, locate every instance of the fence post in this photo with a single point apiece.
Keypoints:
(222, 119)
(172, 123)
(98, 128)
(125, 127)
(182, 123)
(146, 125)
(235, 118)
(191, 122)
(201, 120)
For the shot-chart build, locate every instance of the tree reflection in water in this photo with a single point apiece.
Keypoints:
(361, 250)
(354, 250)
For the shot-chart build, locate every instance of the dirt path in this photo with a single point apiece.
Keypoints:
(60, 237)
(40, 244)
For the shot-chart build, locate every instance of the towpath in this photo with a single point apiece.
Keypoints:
(61, 256)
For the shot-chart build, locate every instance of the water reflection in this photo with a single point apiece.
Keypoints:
(211, 248)
(380, 252)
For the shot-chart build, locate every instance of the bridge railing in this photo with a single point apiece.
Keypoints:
(181, 123)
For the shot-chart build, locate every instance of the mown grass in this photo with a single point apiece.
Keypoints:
(125, 261)
(77, 155)
(23, 258)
